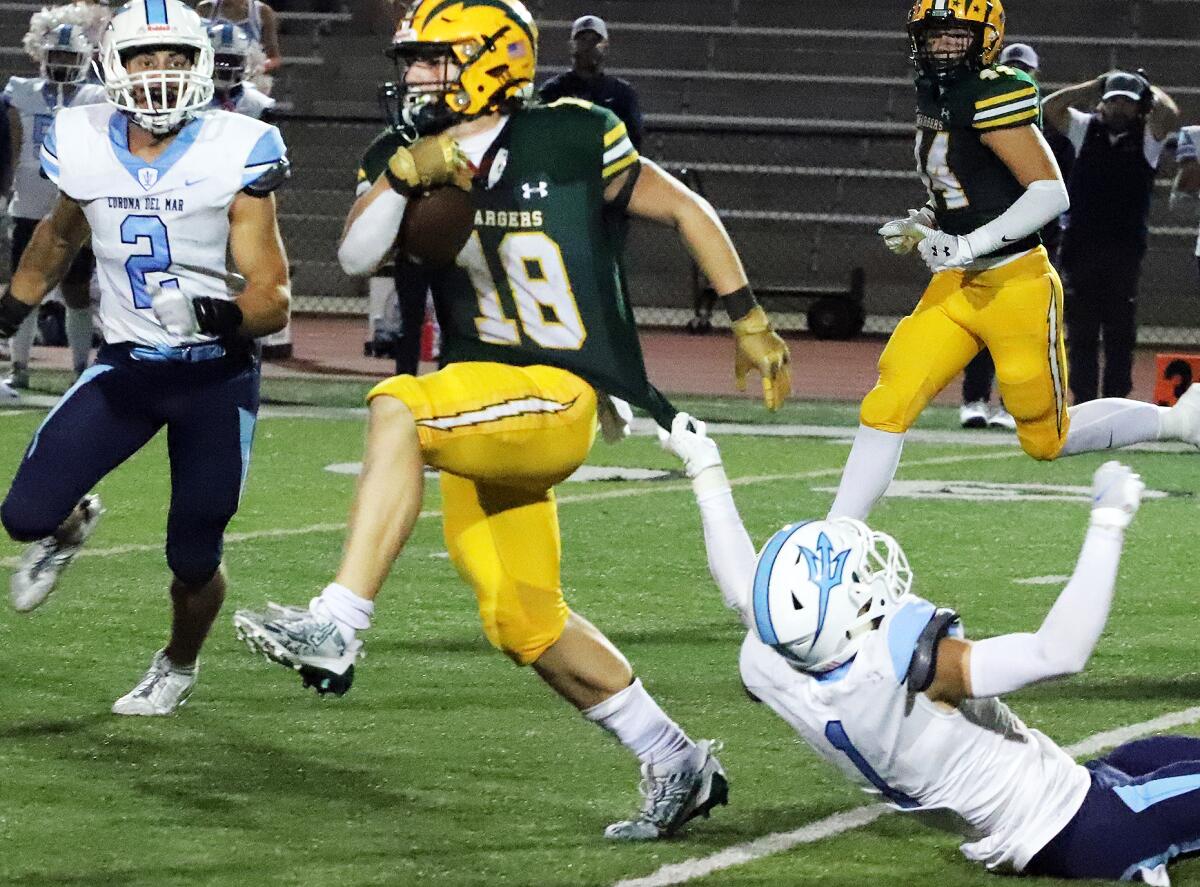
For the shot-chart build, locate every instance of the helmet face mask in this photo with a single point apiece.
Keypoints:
(159, 95)
(951, 38)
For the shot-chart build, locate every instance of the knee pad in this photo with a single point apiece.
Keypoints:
(25, 522)
(885, 409)
(1041, 416)
(193, 562)
(524, 626)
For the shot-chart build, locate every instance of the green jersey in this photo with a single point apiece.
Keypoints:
(539, 281)
(968, 184)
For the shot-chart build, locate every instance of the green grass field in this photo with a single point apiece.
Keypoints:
(447, 765)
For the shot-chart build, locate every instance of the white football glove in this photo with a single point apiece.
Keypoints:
(902, 235)
(942, 251)
(173, 309)
(614, 415)
(1116, 495)
(689, 441)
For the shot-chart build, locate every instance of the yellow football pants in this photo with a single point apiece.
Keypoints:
(1015, 311)
(503, 436)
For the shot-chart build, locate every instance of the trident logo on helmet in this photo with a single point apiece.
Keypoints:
(826, 573)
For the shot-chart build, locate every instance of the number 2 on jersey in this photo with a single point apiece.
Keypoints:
(540, 287)
(134, 230)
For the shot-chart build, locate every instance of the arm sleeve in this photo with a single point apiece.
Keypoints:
(1042, 202)
(369, 240)
(731, 554)
(1069, 633)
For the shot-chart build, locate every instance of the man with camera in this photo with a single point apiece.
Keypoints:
(1118, 145)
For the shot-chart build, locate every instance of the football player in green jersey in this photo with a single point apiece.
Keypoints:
(993, 183)
(536, 330)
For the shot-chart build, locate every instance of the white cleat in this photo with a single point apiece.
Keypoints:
(1002, 418)
(973, 414)
(1182, 421)
(165, 687)
(44, 560)
(673, 797)
(299, 639)
(7, 392)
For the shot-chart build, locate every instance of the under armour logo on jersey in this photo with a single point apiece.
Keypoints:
(825, 572)
(148, 176)
(542, 189)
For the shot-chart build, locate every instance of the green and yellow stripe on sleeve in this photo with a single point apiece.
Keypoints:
(1019, 107)
(619, 153)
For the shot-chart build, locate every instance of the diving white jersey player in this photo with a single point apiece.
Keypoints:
(163, 189)
(882, 684)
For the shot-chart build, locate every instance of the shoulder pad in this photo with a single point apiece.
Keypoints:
(268, 181)
(924, 661)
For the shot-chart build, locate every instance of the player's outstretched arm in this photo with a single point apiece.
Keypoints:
(661, 198)
(731, 554)
(258, 253)
(55, 241)
(1064, 643)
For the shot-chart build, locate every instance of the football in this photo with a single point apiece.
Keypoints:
(436, 225)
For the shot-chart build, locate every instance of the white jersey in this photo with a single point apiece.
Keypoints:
(36, 101)
(157, 222)
(1189, 149)
(976, 769)
(245, 99)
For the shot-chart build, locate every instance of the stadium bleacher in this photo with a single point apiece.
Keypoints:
(796, 116)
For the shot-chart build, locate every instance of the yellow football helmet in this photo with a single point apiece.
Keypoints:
(984, 19)
(487, 50)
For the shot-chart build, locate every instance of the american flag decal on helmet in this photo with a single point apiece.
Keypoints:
(516, 50)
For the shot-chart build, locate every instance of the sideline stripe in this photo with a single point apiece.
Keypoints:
(848, 820)
(672, 487)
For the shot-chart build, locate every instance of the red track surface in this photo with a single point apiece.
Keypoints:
(678, 363)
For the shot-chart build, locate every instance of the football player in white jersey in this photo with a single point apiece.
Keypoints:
(231, 90)
(164, 188)
(1185, 191)
(31, 104)
(883, 685)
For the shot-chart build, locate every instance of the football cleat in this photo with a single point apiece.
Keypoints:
(1184, 417)
(165, 687)
(1002, 418)
(674, 797)
(44, 560)
(301, 640)
(973, 414)
(18, 378)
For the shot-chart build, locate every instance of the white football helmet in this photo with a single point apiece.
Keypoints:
(231, 46)
(158, 101)
(819, 586)
(66, 54)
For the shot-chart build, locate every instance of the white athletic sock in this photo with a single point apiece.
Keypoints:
(22, 341)
(870, 468)
(79, 337)
(349, 612)
(1112, 423)
(642, 727)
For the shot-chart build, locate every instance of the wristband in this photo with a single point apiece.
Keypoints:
(739, 303)
(398, 184)
(217, 317)
(12, 313)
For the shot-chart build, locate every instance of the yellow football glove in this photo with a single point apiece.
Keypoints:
(431, 161)
(758, 347)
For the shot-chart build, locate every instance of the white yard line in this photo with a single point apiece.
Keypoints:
(569, 499)
(848, 820)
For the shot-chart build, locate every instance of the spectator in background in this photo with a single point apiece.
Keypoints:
(256, 18)
(975, 411)
(587, 80)
(1118, 145)
(1185, 193)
